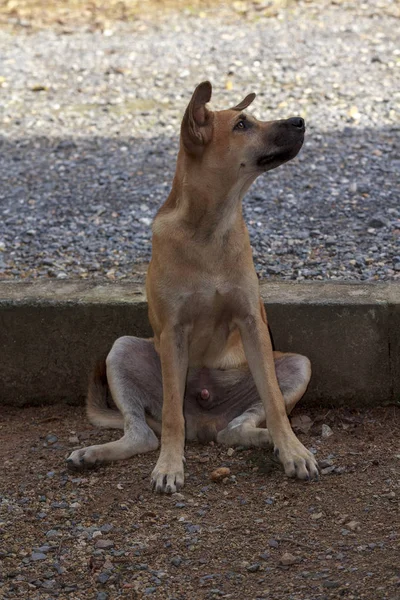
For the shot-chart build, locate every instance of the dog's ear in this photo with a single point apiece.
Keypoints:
(245, 103)
(197, 123)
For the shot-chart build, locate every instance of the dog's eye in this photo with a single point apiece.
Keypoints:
(240, 125)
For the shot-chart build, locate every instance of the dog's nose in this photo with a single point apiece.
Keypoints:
(297, 122)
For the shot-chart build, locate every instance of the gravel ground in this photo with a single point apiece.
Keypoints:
(102, 535)
(90, 120)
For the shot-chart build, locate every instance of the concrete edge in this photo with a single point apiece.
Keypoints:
(128, 292)
(52, 331)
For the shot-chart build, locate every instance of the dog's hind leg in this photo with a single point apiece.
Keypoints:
(134, 379)
(245, 430)
(293, 373)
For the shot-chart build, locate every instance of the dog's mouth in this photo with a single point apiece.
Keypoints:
(280, 157)
(274, 159)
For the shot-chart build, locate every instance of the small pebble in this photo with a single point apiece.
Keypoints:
(38, 556)
(378, 221)
(178, 496)
(61, 504)
(288, 559)
(51, 438)
(326, 431)
(339, 556)
(103, 544)
(52, 533)
(340, 470)
(328, 470)
(220, 474)
(316, 516)
(253, 568)
(330, 584)
(325, 462)
(265, 555)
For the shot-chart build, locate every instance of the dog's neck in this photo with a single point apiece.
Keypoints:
(205, 202)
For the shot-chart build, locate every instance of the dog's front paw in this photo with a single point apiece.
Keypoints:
(168, 474)
(297, 461)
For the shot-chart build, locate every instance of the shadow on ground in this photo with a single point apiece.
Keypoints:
(83, 206)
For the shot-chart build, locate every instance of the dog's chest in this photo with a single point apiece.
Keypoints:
(208, 303)
(209, 316)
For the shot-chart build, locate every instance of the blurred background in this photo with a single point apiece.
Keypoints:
(92, 94)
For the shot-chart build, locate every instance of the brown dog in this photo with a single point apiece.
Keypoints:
(210, 367)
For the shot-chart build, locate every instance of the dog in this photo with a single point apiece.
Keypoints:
(209, 372)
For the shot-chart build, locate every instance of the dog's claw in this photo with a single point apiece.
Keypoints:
(166, 484)
(167, 476)
(298, 461)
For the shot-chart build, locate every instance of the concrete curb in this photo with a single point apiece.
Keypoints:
(53, 331)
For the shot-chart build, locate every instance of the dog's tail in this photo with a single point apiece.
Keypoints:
(99, 401)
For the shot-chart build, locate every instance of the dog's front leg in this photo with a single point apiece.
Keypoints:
(168, 474)
(296, 459)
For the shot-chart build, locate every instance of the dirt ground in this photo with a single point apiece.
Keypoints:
(104, 535)
(97, 14)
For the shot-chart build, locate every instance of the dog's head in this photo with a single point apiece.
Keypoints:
(232, 139)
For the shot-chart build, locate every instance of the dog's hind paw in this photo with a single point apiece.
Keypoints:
(85, 458)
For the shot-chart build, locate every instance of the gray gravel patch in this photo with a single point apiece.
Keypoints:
(90, 124)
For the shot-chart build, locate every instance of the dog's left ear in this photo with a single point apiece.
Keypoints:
(197, 123)
(245, 103)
